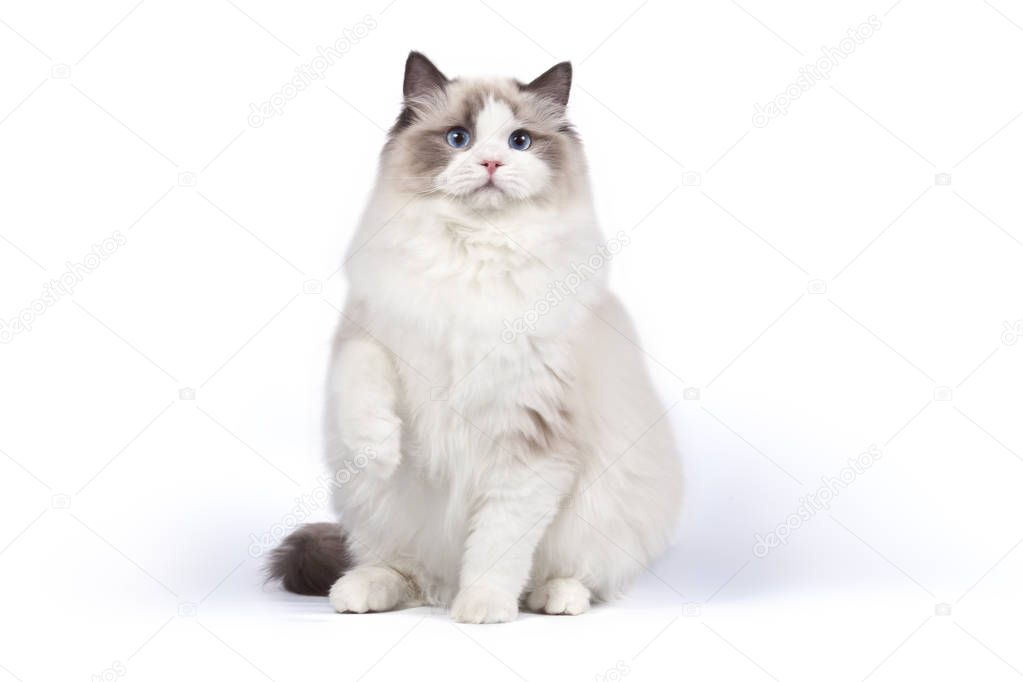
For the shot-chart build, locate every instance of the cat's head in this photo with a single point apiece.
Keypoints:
(488, 143)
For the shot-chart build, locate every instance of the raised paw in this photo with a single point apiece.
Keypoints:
(482, 604)
(368, 588)
(560, 596)
(375, 443)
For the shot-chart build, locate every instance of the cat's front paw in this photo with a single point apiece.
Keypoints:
(483, 604)
(385, 456)
(560, 596)
(378, 440)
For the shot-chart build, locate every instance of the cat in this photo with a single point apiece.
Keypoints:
(501, 436)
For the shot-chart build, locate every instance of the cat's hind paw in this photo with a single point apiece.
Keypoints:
(368, 588)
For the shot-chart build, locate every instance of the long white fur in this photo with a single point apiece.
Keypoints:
(457, 505)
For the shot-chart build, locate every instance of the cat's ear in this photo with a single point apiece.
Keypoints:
(554, 83)
(421, 76)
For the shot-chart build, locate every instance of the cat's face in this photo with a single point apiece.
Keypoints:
(487, 143)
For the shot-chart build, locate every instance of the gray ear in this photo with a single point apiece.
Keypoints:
(421, 76)
(554, 83)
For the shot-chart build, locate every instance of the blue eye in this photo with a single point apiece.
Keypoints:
(520, 140)
(458, 138)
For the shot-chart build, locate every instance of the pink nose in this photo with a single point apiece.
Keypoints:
(491, 166)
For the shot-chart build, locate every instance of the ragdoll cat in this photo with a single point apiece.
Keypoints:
(501, 435)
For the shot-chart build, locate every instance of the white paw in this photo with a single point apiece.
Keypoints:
(560, 595)
(482, 604)
(367, 588)
(377, 439)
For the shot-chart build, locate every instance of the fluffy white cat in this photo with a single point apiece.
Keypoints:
(504, 438)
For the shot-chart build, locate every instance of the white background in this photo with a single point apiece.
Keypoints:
(811, 282)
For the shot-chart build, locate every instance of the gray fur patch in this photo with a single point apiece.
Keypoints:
(543, 431)
(553, 84)
(421, 76)
(311, 559)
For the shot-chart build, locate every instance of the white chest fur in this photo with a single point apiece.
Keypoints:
(447, 298)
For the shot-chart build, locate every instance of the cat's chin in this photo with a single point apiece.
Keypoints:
(489, 196)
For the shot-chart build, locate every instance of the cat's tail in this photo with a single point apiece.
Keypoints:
(311, 559)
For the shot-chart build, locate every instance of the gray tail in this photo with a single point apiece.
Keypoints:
(311, 559)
